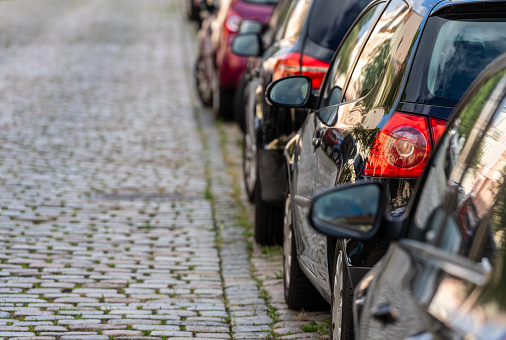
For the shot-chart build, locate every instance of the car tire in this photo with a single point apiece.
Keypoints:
(341, 327)
(299, 292)
(268, 220)
(204, 88)
(223, 103)
(240, 103)
(249, 168)
(192, 12)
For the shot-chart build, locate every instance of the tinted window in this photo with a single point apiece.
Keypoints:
(392, 29)
(451, 54)
(279, 20)
(275, 21)
(343, 61)
(330, 20)
(461, 209)
(296, 19)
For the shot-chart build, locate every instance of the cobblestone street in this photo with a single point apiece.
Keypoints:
(122, 212)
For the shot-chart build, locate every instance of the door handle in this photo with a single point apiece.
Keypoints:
(385, 313)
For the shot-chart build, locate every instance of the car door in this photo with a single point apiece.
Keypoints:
(312, 245)
(427, 285)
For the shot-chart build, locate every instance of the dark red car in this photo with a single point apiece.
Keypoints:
(218, 70)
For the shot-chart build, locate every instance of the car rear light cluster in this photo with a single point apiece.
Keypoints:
(233, 22)
(402, 146)
(295, 64)
(437, 127)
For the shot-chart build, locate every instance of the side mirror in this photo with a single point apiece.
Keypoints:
(250, 26)
(292, 92)
(350, 211)
(247, 45)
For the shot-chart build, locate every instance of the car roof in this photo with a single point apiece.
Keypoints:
(433, 7)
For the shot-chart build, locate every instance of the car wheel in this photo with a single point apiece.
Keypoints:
(268, 220)
(249, 167)
(239, 103)
(223, 103)
(342, 297)
(204, 88)
(192, 12)
(299, 292)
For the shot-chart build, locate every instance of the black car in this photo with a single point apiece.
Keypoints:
(444, 275)
(302, 39)
(384, 103)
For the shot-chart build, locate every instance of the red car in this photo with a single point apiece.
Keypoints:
(218, 70)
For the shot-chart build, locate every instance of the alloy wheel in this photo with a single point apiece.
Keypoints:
(337, 299)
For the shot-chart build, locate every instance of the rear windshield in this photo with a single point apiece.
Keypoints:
(331, 19)
(451, 54)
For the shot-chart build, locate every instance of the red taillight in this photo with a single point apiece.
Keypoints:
(400, 149)
(314, 69)
(437, 127)
(233, 21)
(295, 64)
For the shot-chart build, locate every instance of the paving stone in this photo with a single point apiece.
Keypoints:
(261, 335)
(125, 333)
(106, 162)
(172, 334)
(254, 320)
(213, 336)
(84, 337)
(50, 329)
(16, 334)
(208, 329)
(243, 329)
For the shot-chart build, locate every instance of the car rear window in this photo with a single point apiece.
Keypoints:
(331, 19)
(451, 54)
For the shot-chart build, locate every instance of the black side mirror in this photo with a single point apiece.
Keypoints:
(292, 92)
(247, 45)
(350, 211)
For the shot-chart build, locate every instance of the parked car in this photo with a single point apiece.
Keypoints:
(444, 275)
(303, 38)
(384, 103)
(217, 69)
(192, 9)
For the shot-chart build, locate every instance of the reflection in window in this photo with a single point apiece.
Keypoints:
(445, 67)
(347, 53)
(377, 52)
(296, 19)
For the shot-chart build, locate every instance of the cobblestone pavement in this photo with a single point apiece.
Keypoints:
(121, 213)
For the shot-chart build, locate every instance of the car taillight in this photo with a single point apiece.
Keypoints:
(233, 21)
(295, 64)
(437, 127)
(400, 149)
